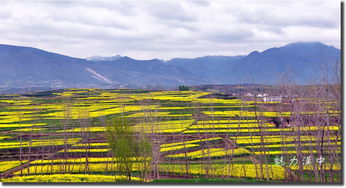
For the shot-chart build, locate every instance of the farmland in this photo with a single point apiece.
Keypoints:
(63, 136)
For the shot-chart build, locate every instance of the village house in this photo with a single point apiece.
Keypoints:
(272, 99)
(262, 95)
(248, 95)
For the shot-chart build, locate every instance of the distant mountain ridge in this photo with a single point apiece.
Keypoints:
(304, 61)
(32, 67)
(210, 68)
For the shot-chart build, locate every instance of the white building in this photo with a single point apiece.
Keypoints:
(272, 99)
(260, 95)
(248, 95)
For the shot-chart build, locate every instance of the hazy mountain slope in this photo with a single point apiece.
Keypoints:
(24, 66)
(149, 72)
(31, 67)
(304, 61)
(210, 68)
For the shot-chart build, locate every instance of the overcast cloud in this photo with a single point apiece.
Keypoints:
(165, 29)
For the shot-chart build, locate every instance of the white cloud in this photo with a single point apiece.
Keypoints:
(166, 29)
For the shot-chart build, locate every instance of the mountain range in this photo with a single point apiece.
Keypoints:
(31, 67)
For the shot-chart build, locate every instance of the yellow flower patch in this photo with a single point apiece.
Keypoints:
(164, 126)
(29, 129)
(38, 143)
(173, 148)
(85, 129)
(228, 121)
(326, 166)
(190, 142)
(74, 168)
(157, 114)
(7, 165)
(84, 160)
(290, 152)
(211, 152)
(5, 137)
(291, 145)
(71, 178)
(247, 114)
(254, 130)
(233, 126)
(90, 144)
(273, 172)
(275, 139)
(84, 150)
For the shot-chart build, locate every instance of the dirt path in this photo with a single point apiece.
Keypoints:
(230, 144)
(254, 160)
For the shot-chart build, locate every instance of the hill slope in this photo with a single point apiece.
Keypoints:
(304, 61)
(31, 67)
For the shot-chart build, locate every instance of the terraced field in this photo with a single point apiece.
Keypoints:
(60, 136)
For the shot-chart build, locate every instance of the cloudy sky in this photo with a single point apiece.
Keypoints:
(165, 29)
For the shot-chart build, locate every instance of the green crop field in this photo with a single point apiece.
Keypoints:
(61, 136)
